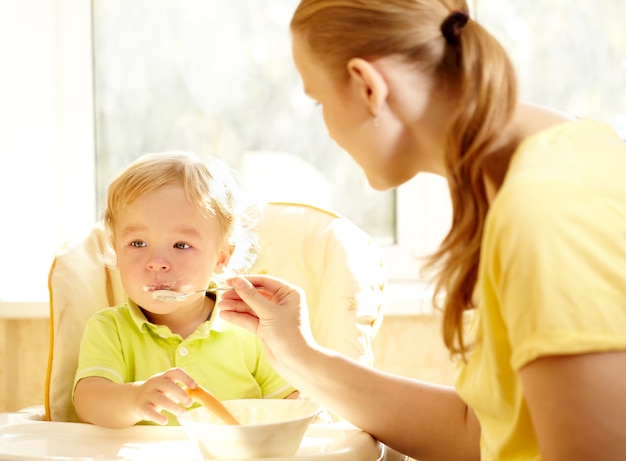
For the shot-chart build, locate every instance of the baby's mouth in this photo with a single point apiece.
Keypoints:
(159, 286)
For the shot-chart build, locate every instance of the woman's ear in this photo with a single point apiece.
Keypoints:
(224, 257)
(370, 83)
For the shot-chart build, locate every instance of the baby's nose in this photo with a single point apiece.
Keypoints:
(158, 265)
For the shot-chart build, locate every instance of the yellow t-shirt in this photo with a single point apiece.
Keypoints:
(121, 345)
(552, 275)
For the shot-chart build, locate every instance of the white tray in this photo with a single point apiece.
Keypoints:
(38, 440)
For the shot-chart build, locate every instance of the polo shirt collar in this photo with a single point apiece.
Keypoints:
(214, 323)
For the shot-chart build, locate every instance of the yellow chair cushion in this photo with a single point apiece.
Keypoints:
(79, 285)
(338, 266)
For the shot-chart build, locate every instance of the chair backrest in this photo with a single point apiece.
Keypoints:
(335, 262)
(337, 265)
(79, 284)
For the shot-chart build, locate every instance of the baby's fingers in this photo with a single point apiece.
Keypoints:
(150, 412)
(153, 408)
(178, 377)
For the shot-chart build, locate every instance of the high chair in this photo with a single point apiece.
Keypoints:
(335, 262)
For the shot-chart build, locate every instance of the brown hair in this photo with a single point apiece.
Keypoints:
(476, 66)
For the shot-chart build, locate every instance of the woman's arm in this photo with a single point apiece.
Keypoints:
(425, 421)
(578, 405)
(422, 420)
(105, 403)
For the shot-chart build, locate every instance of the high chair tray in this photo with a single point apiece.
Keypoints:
(37, 441)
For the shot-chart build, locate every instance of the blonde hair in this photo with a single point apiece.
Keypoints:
(208, 183)
(475, 66)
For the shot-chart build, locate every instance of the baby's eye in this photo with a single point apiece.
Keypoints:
(138, 244)
(181, 246)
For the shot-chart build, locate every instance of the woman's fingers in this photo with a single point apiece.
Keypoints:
(247, 320)
(252, 299)
(267, 306)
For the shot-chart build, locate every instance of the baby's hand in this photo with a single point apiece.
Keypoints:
(163, 391)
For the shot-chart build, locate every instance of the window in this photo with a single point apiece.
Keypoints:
(47, 163)
(218, 78)
(47, 168)
(568, 55)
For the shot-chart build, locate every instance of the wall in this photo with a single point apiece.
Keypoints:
(23, 359)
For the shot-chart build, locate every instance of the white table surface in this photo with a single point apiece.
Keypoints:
(24, 436)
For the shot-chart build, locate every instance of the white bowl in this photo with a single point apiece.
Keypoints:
(269, 427)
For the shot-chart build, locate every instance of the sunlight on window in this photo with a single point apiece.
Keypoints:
(575, 64)
(217, 77)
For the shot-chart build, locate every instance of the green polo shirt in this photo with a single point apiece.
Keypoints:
(121, 345)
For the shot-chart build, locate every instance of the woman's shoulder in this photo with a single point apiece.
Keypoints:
(566, 179)
(573, 157)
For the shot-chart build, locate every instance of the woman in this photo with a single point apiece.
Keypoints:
(536, 254)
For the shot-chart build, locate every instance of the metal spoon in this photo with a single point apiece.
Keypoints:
(175, 296)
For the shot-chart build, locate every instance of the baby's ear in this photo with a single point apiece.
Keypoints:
(224, 257)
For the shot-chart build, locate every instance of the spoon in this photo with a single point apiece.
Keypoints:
(175, 296)
(212, 403)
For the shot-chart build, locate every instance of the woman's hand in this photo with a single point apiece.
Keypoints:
(274, 310)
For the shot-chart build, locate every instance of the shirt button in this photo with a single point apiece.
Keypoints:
(183, 351)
